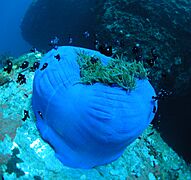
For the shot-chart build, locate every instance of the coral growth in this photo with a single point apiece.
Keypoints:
(3, 79)
(8, 124)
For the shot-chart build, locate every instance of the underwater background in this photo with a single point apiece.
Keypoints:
(155, 32)
(12, 13)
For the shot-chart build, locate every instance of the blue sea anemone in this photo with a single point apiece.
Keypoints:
(87, 125)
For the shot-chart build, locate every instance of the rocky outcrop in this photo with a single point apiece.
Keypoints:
(46, 19)
(164, 25)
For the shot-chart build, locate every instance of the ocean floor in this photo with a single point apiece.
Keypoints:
(24, 155)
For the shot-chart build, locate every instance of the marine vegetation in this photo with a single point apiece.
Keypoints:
(118, 71)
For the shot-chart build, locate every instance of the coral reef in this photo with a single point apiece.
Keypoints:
(148, 23)
(24, 155)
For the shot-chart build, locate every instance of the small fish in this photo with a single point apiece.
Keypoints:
(117, 42)
(136, 49)
(154, 109)
(33, 49)
(21, 79)
(155, 98)
(26, 95)
(40, 114)
(54, 42)
(161, 95)
(105, 49)
(139, 58)
(150, 134)
(9, 66)
(20, 76)
(151, 62)
(24, 65)
(96, 44)
(44, 66)
(26, 115)
(35, 66)
(58, 57)
(94, 60)
(86, 34)
(154, 53)
(70, 40)
(120, 43)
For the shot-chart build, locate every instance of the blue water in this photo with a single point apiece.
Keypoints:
(11, 14)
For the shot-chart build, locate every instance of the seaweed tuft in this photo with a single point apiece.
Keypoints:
(117, 72)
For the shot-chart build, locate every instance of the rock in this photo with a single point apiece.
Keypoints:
(151, 25)
(59, 18)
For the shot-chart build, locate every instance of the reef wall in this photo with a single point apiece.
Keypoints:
(164, 25)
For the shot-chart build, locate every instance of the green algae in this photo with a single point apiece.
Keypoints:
(118, 71)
